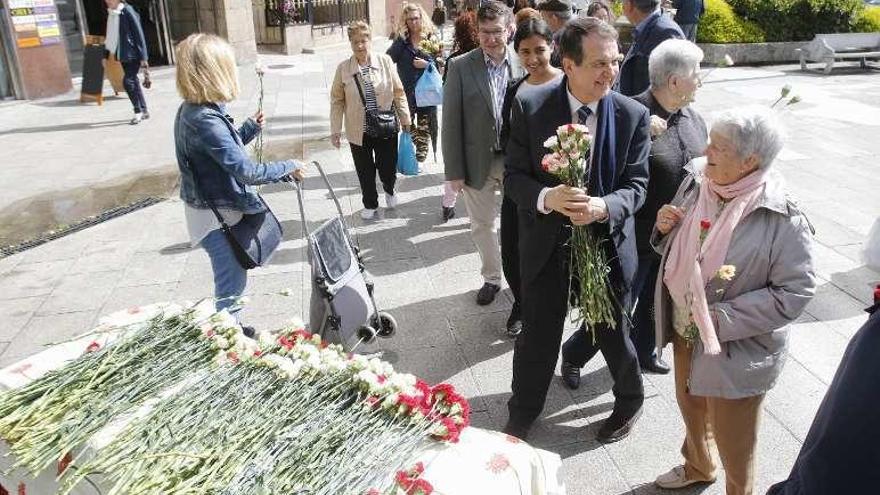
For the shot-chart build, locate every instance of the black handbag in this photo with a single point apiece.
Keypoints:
(253, 239)
(382, 123)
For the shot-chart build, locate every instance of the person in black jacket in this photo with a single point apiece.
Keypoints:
(125, 40)
(532, 43)
(651, 29)
(840, 453)
(547, 209)
(688, 15)
(679, 134)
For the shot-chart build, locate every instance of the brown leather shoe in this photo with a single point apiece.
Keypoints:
(518, 429)
(618, 426)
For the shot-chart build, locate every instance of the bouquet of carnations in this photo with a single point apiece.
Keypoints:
(431, 46)
(589, 265)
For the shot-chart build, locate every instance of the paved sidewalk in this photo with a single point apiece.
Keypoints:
(426, 272)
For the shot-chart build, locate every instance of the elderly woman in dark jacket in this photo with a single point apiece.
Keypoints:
(678, 134)
(737, 269)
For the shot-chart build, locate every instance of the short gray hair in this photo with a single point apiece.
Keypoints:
(754, 130)
(673, 57)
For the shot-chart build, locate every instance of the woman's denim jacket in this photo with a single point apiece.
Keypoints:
(206, 140)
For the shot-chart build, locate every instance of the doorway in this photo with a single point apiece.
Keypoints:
(268, 26)
(154, 21)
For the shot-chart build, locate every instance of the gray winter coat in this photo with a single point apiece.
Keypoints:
(771, 249)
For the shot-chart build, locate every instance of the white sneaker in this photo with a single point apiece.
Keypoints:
(138, 117)
(391, 200)
(145, 115)
(677, 478)
(368, 214)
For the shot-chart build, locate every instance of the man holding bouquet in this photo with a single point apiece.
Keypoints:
(615, 175)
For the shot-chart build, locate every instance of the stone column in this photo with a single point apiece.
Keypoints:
(231, 19)
(237, 26)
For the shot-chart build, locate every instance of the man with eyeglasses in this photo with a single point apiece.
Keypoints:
(472, 99)
(618, 176)
(651, 29)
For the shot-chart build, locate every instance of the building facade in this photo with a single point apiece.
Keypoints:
(42, 41)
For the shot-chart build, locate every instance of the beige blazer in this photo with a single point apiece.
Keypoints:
(345, 100)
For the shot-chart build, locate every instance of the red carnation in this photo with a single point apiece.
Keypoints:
(442, 390)
(302, 334)
(285, 342)
(373, 491)
(232, 356)
(705, 224)
(93, 347)
(420, 487)
(258, 353)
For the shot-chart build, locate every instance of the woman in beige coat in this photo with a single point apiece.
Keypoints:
(367, 83)
(737, 269)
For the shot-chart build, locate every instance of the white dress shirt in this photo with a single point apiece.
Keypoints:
(574, 105)
(111, 41)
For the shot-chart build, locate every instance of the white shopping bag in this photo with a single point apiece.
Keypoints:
(871, 251)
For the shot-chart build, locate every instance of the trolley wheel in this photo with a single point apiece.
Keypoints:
(367, 334)
(385, 323)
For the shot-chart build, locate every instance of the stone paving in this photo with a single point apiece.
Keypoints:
(426, 272)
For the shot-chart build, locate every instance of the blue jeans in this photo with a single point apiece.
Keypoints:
(230, 278)
(644, 283)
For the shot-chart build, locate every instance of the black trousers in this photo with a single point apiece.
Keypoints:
(643, 315)
(510, 248)
(371, 156)
(544, 309)
(132, 85)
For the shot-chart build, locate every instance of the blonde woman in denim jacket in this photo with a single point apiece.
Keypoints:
(214, 164)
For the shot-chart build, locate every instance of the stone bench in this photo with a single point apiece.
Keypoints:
(827, 48)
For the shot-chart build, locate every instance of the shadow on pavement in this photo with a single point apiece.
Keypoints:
(79, 126)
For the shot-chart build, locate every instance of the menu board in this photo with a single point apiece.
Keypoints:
(35, 22)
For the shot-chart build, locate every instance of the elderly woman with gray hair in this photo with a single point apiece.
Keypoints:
(678, 134)
(737, 268)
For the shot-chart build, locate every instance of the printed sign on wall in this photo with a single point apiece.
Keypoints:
(35, 22)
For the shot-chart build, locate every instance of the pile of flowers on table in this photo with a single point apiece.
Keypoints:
(226, 414)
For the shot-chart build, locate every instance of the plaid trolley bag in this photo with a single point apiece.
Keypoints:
(342, 308)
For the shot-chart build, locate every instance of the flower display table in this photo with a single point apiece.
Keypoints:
(481, 461)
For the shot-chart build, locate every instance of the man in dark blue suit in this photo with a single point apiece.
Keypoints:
(651, 29)
(840, 453)
(548, 209)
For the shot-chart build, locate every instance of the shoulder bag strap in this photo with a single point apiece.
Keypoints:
(357, 81)
(217, 214)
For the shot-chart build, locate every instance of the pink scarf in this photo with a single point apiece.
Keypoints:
(690, 266)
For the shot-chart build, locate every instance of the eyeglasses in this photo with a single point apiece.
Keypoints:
(492, 34)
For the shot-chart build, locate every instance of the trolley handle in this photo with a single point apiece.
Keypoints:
(299, 196)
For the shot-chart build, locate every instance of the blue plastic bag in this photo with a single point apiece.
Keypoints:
(429, 88)
(406, 155)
